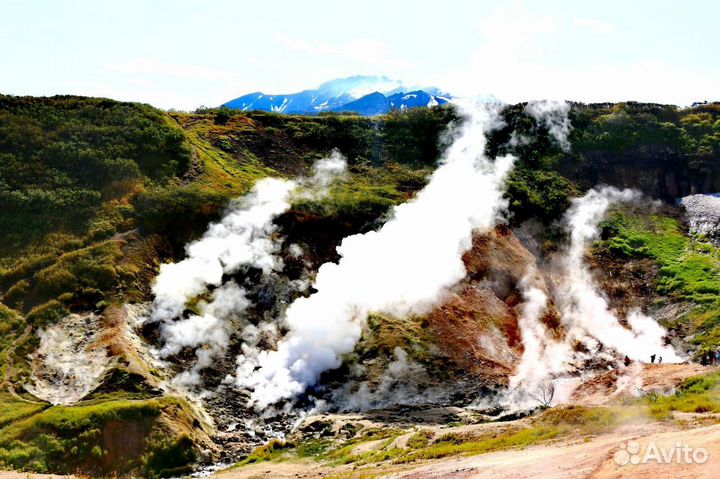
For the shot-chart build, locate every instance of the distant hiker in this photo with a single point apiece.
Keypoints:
(652, 358)
(659, 359)
(717, 357)
(627, 361)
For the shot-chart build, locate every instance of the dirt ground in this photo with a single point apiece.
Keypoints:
(594, 459)
(587, 460)
(27, 475)
(634, 380)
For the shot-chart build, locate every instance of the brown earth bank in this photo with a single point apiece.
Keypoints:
(634, 380)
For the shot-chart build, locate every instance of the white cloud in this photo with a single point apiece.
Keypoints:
(145, 66)
(364, 52)
(160, 83)
(525, 56)
(597, 27)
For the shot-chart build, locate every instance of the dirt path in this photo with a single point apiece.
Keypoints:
(586, 460)
(28, 475)
(591, 458)
(594, 459)
(278, 470)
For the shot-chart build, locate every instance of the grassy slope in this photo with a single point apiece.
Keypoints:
(83, 262)
(179, 171)
(76, 265)
(107, 437)
(689, 268)
(130, 166)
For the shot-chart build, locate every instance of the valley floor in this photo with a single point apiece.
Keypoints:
(580, 453)
(586, 459)
(593, 459)
(27, 475)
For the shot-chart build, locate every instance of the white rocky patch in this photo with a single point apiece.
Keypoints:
(703, 214)
(69, 364)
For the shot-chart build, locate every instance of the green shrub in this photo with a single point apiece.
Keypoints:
(267, 452)
(47, 313)
(60, 156)
(169, 457)
(542, 195)
(68, 439)
(420, 439)
(178, 213)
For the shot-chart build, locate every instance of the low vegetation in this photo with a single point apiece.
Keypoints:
(95, 194)
(689, 267)
(699, 394)
(427, 444)
(63, 157)
(101, 438)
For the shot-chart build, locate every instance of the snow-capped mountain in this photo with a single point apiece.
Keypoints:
(377, 103)
(366, 95)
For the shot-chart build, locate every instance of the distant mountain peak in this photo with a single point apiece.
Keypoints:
(363, 94)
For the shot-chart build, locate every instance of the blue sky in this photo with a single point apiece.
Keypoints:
(182, 54)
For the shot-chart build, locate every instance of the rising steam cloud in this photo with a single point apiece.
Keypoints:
(585, 312)
(244, 237)
(402, 268)
(554, 116)
(543, 356)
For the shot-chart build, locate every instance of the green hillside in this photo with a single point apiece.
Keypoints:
(96, 194)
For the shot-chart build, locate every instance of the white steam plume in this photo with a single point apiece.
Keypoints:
(543, 357)
(211, 330)
(586, 312)
(404, 381)
(325, 171)
(402, 268)
(244, 237)
(554, 115)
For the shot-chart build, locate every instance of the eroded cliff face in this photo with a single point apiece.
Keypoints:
(477, 325)
(655, 171)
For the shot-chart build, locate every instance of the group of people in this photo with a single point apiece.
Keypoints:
(710, 358)
(627, 361)
(652, 359)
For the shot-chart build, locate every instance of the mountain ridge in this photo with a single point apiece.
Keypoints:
(362, 94)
